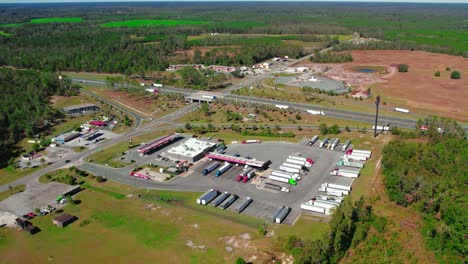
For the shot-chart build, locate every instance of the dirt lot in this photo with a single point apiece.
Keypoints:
(418, 89)
(146, 105)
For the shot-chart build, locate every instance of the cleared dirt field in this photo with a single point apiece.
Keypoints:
(418, 90)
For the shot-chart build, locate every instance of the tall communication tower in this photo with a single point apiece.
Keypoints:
(377, 103)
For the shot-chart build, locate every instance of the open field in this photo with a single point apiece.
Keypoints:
(45, 20)
(419, 89)
(151, 228)
(144, 103)
(9, 174)
(91, 75)
(149, 22)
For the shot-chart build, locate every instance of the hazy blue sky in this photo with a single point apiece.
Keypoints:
(62, 1)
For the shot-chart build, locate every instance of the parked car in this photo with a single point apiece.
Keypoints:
(29, 215)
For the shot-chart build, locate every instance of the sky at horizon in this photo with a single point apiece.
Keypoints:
(373, 1)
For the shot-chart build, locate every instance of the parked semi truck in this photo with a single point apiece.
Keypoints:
(228, 202)
(276, 187)
(289, 169)
(324, 143)
(401, 110)
(210, 168)
(355, 164)
(291, 165)
(223, 169)
(306, 160)
(203, 195)
(355, 157)
(207, 198)
(221, 198)
(251, 141)
(246, 175)
(244, 205)
(282, 179)
(335, 143)
(346, 145)
(315, 112)
(275, 214)
(157, 85)
(338, 172)
(337, 186)
(313, 140)
(309, 206)
(285, 174)
(282, 215)
(297, 162)
(281, 106)
(361, 151)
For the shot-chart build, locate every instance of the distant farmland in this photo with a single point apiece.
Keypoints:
(46, 20)
(150, 22)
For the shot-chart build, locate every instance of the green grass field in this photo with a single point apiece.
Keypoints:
(45, 20)
(150, 22)
(118, 230)
(4, 34)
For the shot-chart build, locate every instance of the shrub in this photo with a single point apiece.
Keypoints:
(447, 69)
(455, 75)
(100, 179)
(240, 260)
(437, 74)
(403, 68)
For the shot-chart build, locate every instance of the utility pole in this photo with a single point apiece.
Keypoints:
(377, 103)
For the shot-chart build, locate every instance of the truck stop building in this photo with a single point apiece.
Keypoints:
(203, 96)
(80, 109)
(191, 150)
(63, 138)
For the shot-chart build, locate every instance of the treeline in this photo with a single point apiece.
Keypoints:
(432, 178)
(349, 226)
(24, 109)
(331, 57)
(397, 45)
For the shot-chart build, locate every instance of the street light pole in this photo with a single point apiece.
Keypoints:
(377, 103)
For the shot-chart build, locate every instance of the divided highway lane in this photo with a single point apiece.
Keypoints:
(79, 156)
(342, 114)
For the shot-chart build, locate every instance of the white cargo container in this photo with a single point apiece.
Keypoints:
(298, 162)
(278, 179)
(283, 173)
(402, 110)
(289, 169)
(362, 151)
(349, 169)
(361, 155)
(312, 208)
(157, 85)
(382, 128)
(325, 204)
(282, 215)
(344, 174)
(338, 186)
(355, 157)
(294, 176)
(296, 166)
(337, 191)
(315, 112)
(355, 164)
(212, 97)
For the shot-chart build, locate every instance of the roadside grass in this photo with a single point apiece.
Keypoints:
(306, 228)
(71, 123)
(9, 174)
(8, 193)
(90, 75)
(150, 22)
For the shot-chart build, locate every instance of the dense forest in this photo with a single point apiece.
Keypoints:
(87, 45)
(432, 177)
(24, 101)
(349, 226)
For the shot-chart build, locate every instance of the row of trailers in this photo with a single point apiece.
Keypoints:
(338, 184)
(223, 200)
(333, 144)
(290, 170)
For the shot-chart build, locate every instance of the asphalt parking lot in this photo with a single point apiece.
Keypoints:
(266, 202)
(35, 196)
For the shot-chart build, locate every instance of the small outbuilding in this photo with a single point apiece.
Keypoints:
(63, 220)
